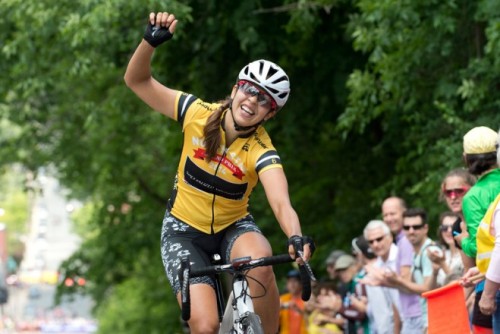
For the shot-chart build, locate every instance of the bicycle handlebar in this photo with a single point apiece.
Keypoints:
(246, 265)
(186, 273)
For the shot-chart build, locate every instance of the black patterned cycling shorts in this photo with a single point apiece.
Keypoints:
(179, 239)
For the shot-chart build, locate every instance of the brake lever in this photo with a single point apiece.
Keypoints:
(307, 266)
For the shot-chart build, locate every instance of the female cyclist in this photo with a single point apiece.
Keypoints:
(225, 152)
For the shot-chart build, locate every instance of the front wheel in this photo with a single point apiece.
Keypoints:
(252, 325)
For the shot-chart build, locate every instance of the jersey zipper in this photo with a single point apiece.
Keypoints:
(213, 184)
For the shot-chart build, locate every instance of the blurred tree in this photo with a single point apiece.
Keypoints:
(382, 92)
(14, 209)
(432, 74)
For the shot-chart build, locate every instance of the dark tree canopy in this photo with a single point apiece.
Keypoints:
(382, 93)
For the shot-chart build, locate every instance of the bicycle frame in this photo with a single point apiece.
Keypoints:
(237, 307)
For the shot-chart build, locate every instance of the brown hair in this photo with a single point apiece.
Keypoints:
(442, 216)
(462, 173)
(211, 131)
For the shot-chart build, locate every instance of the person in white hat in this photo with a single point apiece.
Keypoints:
(480, 156)
(489, 245)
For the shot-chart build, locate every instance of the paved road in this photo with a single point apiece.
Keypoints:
(50, 241)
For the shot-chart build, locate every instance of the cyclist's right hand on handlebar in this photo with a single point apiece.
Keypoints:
(301, 246)
(160, 28)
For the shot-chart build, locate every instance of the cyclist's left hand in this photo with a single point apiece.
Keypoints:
(303, 245)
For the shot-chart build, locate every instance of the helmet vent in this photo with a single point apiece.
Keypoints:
(271, 72)
(272, 90)
(280, 79)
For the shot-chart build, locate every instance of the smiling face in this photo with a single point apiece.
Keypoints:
(392, 214)
(379, 242)
(251, 105)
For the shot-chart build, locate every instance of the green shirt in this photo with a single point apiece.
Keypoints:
(475, 204)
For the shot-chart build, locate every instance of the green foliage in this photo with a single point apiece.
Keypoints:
(14, 203)
(137, 304)
(428, 81)
(382, 92)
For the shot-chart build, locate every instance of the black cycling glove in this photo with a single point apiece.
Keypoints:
(298, 243)
(156, 35)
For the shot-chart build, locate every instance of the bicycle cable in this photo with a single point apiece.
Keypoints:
(246, 276)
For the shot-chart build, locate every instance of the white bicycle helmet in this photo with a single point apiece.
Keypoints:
(269, 77)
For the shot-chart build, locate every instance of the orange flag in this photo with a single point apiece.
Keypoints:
(446, 310)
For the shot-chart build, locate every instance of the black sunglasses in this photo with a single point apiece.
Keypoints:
(443, 227)
(415, 227)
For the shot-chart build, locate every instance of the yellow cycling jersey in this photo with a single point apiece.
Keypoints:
(212, 195)
(485, 239)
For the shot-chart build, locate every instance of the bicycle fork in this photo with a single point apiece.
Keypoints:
(238, 307)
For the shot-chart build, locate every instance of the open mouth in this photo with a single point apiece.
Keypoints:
(247, 110)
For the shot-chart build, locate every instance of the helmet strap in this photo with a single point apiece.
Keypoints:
(238, 127)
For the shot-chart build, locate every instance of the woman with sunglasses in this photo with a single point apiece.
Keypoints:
(225, 152)
(449, 262)
(454, 187)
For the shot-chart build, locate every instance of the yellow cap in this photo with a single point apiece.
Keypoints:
(480, 140)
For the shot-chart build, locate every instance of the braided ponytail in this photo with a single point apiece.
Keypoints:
(212, 130)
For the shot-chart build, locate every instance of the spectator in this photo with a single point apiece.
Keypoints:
(292, 307)
(481, 159)
(374, 294)
(361, 249)
(449, 260)
(330, 263)
(480, 156)
(392, 213)
(379, 237)
(353, 294)
(488, 257)
(324, 318)
(454, 187)
(416, 229)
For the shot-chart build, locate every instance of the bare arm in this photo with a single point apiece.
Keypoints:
(420, 288)
(276, 188)
(412, 287)
(138, 75)
(405, 273)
